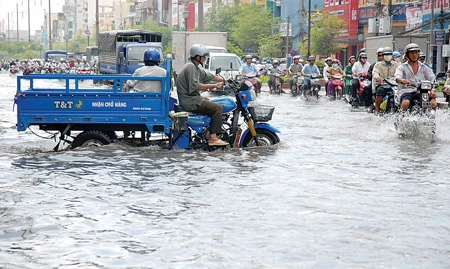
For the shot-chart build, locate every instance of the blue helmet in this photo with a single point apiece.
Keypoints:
(396, 54)
(151, 55)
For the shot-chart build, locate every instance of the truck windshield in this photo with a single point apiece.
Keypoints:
(225, 62)
(137, 53)
(57, 57)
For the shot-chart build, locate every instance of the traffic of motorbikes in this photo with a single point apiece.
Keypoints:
(40, 66)
(361, 90)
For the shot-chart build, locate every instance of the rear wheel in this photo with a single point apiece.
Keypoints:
(263, 136)
(91, 138)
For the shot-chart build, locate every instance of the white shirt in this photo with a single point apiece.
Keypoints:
(358, 68)
(146, 85)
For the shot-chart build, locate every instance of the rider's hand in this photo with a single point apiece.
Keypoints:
(403, 81)
(378, 80)
(433, 94)
(218, 86)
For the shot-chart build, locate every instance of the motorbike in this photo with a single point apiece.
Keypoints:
(297, 83)
(275, 88)
(243, 125)
(390, 103)
(363, 82)
(314, 88)
(251, 77)
(337, 88)
(420, 118)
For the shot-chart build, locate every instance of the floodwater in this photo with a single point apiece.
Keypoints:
(340, 190)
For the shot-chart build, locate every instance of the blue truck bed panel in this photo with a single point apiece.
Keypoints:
(71, 105)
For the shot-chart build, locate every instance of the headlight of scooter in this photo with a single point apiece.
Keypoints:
(426, 85)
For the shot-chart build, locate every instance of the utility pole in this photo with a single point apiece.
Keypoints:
(309, 28)
(29, 28)
(17, 18)
(97, 23)
(49, 26)
(431, 33)
(9, 39)
(200, 15)
(287, 38)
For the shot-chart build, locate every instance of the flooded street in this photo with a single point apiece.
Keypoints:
(341, 190)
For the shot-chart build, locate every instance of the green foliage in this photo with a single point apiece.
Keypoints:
(245, 25)
(325, 30)
(231, 48)
(270, 46)
(320, 65)
(165, 31)
(252, 24)
(264, 79)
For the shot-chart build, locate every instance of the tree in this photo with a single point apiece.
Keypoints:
(323, 35)
(270, 46)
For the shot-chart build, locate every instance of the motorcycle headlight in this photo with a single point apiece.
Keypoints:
(426, 85)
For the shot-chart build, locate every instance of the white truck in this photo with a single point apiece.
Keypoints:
(183, 41)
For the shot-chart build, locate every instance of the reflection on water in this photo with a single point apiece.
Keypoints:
(341, 190)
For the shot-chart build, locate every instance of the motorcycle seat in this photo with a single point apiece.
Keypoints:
(178, 108)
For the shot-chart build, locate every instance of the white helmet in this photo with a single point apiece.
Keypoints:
(200, 50)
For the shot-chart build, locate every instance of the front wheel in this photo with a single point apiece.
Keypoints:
(91, 138)
(263, 136)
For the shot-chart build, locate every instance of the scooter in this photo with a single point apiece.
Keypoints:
(276, 83)
(297, 83)
(243, 125)
(363, 82)
(315, 85)
(337, 88)
(251, 77)
(390, 103)
(420, 118)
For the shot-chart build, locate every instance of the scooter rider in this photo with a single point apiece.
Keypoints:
(328, 63)
(151, 69)
(294, 69)
(307, 71)
(412, 72)
(275, 70)
(333, 70)
(383, 69)
(422, 59)
(190, 81)
(250, 68)
(361, 66)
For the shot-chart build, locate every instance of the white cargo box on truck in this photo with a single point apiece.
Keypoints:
(183, 41)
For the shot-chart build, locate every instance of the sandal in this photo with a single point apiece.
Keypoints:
(218, 143)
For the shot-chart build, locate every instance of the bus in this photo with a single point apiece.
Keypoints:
(56, 55)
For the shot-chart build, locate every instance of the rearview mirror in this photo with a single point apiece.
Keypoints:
(218, 70)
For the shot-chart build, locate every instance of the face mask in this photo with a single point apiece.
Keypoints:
(387, 58)
(363, 60)
(335, 66)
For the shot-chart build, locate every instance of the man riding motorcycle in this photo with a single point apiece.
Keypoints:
(275, 70)
(360, 67)
(412, 72)
(295, 68)
(308, 71)
(249, 68)
(383, 69)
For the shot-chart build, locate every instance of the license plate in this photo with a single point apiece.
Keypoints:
(426, 104)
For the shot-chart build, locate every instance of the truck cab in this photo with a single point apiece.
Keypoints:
(132, 56)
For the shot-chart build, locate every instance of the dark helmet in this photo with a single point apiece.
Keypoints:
(152, 55)
(387, 51)
(200, 50)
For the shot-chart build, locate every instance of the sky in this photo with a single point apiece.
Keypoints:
(37, 8)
